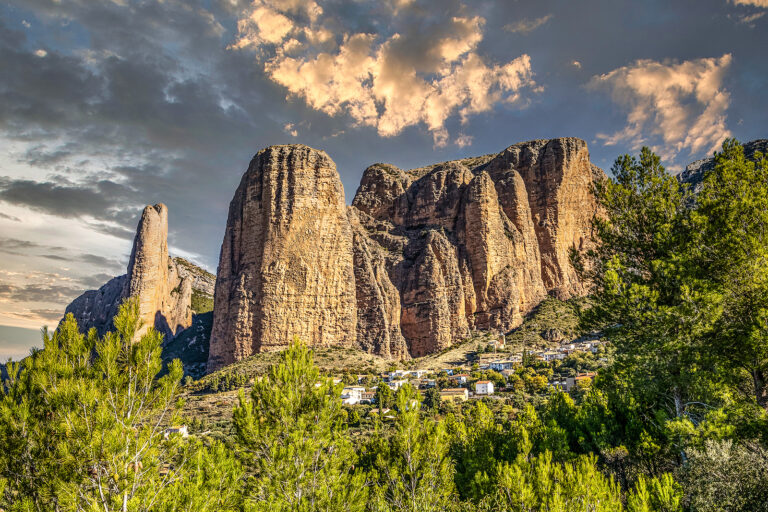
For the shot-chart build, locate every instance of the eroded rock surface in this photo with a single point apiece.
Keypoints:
(164, 294)
(286, 265)
(419, 260)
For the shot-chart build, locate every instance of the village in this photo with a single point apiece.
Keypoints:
(531, 371)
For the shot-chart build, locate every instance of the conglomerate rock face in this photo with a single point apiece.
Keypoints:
(286, 265)
(418, 261)
(164, 296)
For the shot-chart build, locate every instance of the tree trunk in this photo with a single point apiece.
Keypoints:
(761, 394)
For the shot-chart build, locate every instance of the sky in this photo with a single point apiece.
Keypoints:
(109, 105)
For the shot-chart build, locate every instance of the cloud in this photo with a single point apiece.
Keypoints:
(9, 217)
(46, 293)
(527, 25)
(749, 19)
(576, 64)
(65, 200)
(16, 246)
(755, 3)
(95, 281)
(463, 140)
(424, 71)
(672, 106)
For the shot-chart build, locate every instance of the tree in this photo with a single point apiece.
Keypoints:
(82, 428)
(385, 398)
(731, 256)
(414, 469)
(432, 399)
(724, 476)
(478, 443)
(646, 298)
(543, 485)
(292, 433)
(655, 495)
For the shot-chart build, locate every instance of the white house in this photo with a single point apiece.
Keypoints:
(396, 384)
(349, 399)
(552, 356)
(483, 387)
(460, 378)
(181, 430)
(352, 395)
(504, 364)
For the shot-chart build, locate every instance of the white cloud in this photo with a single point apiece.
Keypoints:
(527, 25)
(423, 72)
(671, 106)
(463, 140)
(756, 3)
(41, 53)
(576, 64)
(291, 129)
(748, 19)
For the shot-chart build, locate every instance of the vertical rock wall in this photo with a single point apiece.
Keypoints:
(286, 265)
(420, 259)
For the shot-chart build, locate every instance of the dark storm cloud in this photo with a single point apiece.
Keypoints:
(100, 199)
(39, 292)
(113, 230)
(92, 260)
(156, 102)
(57, 253)
(94, 281)
(100, 261)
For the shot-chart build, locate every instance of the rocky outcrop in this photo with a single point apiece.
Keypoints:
(286, 265)
(164, 293)
(418, 261)
(558, 177)
(695, 171)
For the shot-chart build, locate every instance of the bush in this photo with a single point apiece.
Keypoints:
(724, 476)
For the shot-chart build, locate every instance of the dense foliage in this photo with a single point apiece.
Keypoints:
(675, 420)
(82, 427)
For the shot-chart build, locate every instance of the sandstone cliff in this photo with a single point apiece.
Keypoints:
(286, 264)
(163, 292)
(420, 259)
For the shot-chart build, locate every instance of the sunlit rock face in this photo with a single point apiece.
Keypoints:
(286, 265)
(418, 260)
(164, 296)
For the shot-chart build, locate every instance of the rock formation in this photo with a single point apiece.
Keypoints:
(694, 172)
(164, 294)
(420, 259)
(286, 265)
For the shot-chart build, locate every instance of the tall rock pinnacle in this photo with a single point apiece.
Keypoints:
(164, 296)
(286, 261)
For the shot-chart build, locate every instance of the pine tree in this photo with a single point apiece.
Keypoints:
(730, 255)
(82, 425)
(291, 431)
(414, 469)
